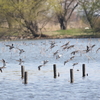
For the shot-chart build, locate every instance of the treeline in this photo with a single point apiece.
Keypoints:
(33, 15)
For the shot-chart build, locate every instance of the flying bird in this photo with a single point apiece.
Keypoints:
(20, 61)
(71, 46)
(55, 53)
(58, 56)
(74, 52)
(97, 50)
(2, 68)
(66, 61)
(65, 44)
(72, 57)
(10, 46)
(20, 51)
(4, 62)
(45, 61)
(75, 64)
(39, 67)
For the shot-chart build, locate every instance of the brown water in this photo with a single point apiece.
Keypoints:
(41, 84)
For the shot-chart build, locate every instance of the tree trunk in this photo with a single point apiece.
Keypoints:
(62, 23)
(90, 22)
(32, 27)
(89, 18)
(9, 21)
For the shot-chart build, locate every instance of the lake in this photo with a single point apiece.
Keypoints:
(66, 54)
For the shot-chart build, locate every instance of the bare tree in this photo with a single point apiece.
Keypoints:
(67, 8)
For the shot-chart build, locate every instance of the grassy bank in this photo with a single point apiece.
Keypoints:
(11, 32)
(70, 33)
(74, 33)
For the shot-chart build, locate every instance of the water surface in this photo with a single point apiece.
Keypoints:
(41, 84)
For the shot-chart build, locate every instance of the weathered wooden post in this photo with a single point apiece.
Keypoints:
(25, 78)
(54, 70)
(83, 70)
(22, 72)
(71, 76)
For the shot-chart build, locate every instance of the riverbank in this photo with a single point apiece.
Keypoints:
(9, 35)
(11, 38)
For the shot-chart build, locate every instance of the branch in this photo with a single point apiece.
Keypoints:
(67, 6)
(72, 11)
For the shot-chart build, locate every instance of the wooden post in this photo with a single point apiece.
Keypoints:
(22, 72)
(83, 70)
(71, 76)
(25, 78)
(54, 69)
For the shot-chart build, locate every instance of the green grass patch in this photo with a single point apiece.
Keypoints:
(72, 33)
(76, 33)
(69, 32)
(88, 31)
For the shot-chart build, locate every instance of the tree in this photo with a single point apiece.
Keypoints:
(28, 13)
(91, 10)
(31, 12)
(63, 10)
(6, 12)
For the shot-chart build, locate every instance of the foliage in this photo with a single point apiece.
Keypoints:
(28, 13)
(91, 10)
(33, 15)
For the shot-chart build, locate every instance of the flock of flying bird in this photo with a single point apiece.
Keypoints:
(10, 48)
(67, 46)
(56, 54)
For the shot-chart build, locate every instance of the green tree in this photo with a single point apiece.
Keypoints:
(31, 13)
(91, 10)
(28, 13)
(6, 12)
